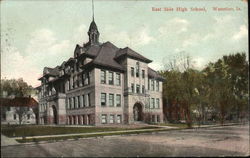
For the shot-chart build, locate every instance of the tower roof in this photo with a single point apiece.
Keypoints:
(92, 26)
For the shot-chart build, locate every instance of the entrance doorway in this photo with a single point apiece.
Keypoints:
(137, 111)
(54, 114)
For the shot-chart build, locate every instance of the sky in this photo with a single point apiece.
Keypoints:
(35, 34)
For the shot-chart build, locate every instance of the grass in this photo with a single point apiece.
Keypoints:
(179, 125)
(33, 130)
(52, 139)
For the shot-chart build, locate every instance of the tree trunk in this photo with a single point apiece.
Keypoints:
(188, 115)
(20, 119)
(222, 112)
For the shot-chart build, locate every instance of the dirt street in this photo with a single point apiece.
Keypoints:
(217, 141)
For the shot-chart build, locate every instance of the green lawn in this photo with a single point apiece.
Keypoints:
(34, 130)
(179, 125)
(52, 139)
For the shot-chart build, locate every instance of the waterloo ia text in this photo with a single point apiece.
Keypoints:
(192, 9)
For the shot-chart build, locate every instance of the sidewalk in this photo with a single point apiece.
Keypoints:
(6, 141)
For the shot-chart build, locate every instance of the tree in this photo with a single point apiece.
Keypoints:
(227, 79)
(180, 86)
(220, 89)
(22, 113)
(18, 88)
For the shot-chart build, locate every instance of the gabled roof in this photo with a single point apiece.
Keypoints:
(106, 56)
(51, 71)
(47, 71)
(153, 74)
(19, 101)
(70, 61)
(131, 53)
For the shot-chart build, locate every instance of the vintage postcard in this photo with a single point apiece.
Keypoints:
(125, 78)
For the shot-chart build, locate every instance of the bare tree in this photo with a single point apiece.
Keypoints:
(22, 113)
(181, 61)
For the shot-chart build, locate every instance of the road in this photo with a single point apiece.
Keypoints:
(217, 141)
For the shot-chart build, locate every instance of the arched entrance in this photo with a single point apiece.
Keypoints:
(54, 114)
(137, 111)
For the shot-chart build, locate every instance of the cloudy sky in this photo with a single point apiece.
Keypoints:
(35, 34)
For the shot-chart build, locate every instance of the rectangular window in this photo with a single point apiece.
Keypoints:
(68, 107)
(118, 100)
(87, 75)
(83, 79)
(132, 87)
(103, 99)
(143, 73)
(158, 118)
(73, 84)
(78, 104)
(152, 104)
(143, 89)
(86, 78)
(137, 88)
(104, 118)
(103, 76)
(111, 99)
(83, 101)
(28, 116)
(80, 101)
(111, 118)
(77, 81)
(14, 116)
(157, 103)
(137, 69)
(148, 84)
(111, 76)
(68, 82)
(118, 79)
(89, 103)
(80, 80)
(157, 86)
(148, 103)
(152, 85)
(119, 119)
(132, 72)
(86, 100)
(74, 102)
(152, 118)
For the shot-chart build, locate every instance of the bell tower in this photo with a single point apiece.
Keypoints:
(93, 30)
(93, 34)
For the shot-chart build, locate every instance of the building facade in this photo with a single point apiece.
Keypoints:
(101, 84)
(19, 110)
